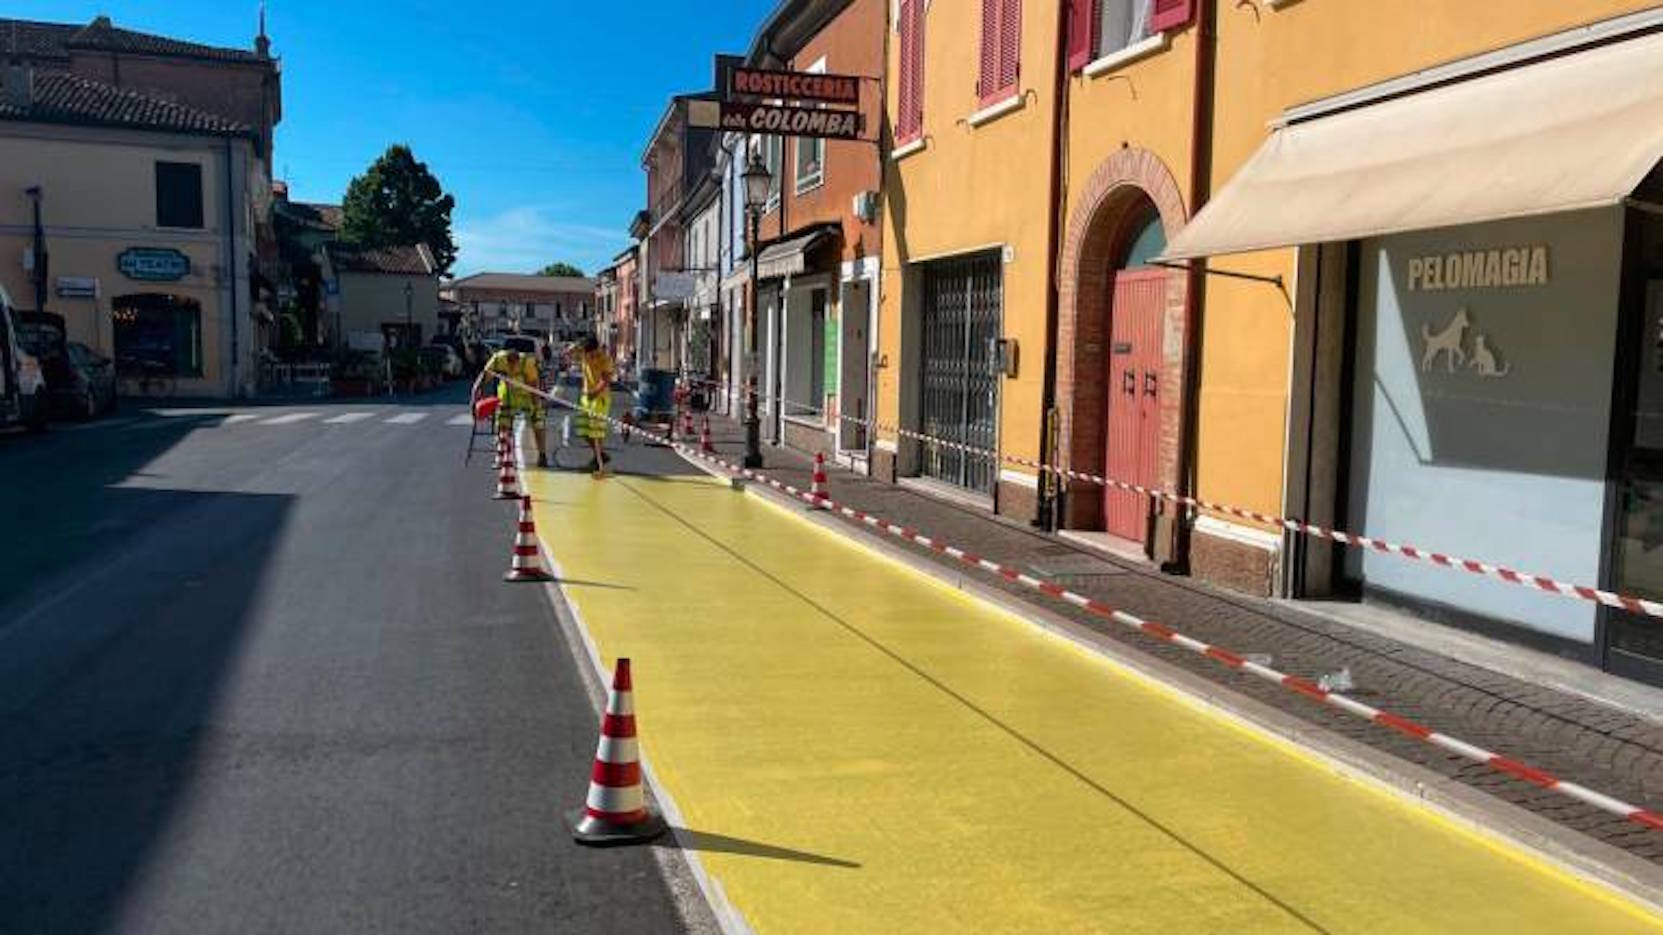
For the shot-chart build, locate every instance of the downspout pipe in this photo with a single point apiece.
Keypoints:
(1201, 167)
(1047, 518)
(231, 265)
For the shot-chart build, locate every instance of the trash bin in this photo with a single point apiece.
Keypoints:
(653, 393)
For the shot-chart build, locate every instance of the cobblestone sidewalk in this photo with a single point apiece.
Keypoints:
(1572, 737)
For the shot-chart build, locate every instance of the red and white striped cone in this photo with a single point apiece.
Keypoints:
(628, 423)
(527, 563)
(615, 811)
(687, 423)
(508, 482)
(818, 489)
(705, 444)
(504, 449)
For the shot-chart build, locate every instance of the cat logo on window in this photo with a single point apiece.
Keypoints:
(1451, 342)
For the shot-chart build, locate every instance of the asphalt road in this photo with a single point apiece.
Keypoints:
(261, 674)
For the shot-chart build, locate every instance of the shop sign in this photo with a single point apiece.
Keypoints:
(1507, 267)
(794, 86)
(77, 287)
(782, 120)
(153, 264)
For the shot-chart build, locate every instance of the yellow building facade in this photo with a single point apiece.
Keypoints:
(966, 254)
(1210, 373)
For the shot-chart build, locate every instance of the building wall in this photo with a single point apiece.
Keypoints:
(99, 200)
(246, 92)
(972, 188)
(1268, 60)
(370, 300)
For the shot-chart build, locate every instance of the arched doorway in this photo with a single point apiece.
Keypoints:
(1131, 432)
(1121, 334)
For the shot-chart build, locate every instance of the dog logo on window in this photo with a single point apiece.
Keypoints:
(1451, 342)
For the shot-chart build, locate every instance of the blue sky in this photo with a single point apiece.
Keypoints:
(533, 114)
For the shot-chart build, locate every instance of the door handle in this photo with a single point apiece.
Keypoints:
(1129, 383)
(1151, 384)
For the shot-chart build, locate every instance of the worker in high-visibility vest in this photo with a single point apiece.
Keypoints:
(509, 364)
(596, 404)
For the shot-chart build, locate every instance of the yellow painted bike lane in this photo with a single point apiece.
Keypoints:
(864, 749)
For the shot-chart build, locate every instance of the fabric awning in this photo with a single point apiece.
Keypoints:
(1578, 131)
(788, 257)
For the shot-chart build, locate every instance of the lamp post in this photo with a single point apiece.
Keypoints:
(409, 327)
(757, 182)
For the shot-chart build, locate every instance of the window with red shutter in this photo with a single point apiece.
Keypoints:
(909, 118)
(1082, 33)
(1171, 14)
(1001, 50)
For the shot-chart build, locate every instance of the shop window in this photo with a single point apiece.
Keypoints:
(179, 194)
(158, 334)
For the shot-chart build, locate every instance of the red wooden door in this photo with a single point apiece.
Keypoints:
(1134, 415)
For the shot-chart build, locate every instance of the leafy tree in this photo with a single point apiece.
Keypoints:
(397, 202)
(560, 269)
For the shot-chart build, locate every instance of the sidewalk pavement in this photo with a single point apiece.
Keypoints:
(1601, 746)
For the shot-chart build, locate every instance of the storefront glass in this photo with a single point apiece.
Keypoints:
(158, 333)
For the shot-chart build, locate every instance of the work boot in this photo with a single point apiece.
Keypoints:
(542, 460)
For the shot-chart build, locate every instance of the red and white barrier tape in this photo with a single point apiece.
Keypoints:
(1636, 605)
(1304, 687)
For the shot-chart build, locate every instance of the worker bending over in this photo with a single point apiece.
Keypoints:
(515, 398)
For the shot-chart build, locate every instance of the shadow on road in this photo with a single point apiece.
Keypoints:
(686, 839)
(121, 612)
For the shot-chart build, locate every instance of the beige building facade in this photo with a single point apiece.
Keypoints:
(147, 232)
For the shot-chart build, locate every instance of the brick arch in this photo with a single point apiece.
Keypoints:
(1122, 184)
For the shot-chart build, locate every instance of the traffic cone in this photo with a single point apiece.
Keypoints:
(508, 482)
(527, 563)
(705, 444)
(615, 811)
(626, 423)
(818, 489)
(687, 423)
(503, 448)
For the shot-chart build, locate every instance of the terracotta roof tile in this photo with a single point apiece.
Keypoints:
(65, 98)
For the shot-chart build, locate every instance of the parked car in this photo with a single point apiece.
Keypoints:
(80, 382)
(88, 389)
(444, 358)
(23, 394)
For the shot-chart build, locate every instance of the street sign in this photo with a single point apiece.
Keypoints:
(153, 264)
(793, 86)
(776, 119)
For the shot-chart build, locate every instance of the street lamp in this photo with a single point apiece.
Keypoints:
(409, 328)
(758, 180)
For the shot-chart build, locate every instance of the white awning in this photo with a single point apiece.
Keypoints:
(788, 257)
(1578, 131)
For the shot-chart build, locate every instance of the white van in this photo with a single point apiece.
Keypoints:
(23, 397)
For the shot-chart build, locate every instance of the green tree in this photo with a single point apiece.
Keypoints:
(396, 202)
(560, 269)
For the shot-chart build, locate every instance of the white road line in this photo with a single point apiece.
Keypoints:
(291, 418)
(460, 420)
(408, 418)
(238, 418)
(348, 418)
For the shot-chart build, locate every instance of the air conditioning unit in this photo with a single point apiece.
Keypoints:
(865, 206)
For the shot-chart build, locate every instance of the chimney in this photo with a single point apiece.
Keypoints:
(19, 85)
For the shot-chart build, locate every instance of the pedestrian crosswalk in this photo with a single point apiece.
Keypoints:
(224, 418)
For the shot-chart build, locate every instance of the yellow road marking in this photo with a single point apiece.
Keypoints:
(864, 749)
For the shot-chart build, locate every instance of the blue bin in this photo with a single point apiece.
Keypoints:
(654, 393)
